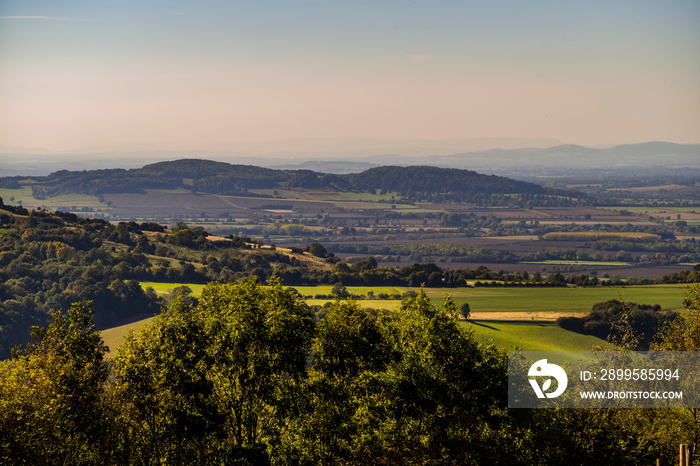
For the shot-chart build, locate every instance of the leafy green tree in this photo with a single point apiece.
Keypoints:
(465, 310)
(366, 264)
(444, 385)
(205, 385)
(339, 291)
(683, 334)
(412, 387)
(52, 404)
(348, 341)
(166, 393)
(341, 268)
(184, 294)
(317, 249)
(349, 354)
(259, 340)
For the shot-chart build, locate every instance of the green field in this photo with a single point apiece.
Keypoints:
(652, 209)
(64, 200)
(532, 337)
(526, 331)
(388, 304)
(536, 336)
(558, 299)
(165, 288)
(511, 299)
(357, 290)
(169, 191)
(114, 337)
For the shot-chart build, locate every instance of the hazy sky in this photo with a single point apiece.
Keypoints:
(179, 74)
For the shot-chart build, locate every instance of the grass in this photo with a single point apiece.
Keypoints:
(653, 209)
(169, 191)
(165, 288)
(510, 299)
(115, 336)
(525, 303)
(388, 304)
(558, 299)
(23, 195)
(506, 335)
(64, 200)
(532, 337)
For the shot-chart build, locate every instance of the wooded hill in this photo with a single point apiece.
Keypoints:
(211, 177)
(49, 260)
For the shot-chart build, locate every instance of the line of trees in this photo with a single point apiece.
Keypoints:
(644, 319)
(245, 377)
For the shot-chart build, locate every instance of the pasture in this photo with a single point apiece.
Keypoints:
(560, 300)
(531, 303)
(532, 336)
(529, 336)
(511, 317)
(115, 336)
(24, 197)
(163, 288)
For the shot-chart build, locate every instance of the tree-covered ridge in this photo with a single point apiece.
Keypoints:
(439, 180)
(200, 175)
(49, 260)
(221, 178)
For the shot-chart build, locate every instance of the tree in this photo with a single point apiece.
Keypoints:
(166, 393)
(349, 355)
(52, 405)
(443, 386)
(259, 339)
(206, 383)
(339, 291)
(184, 294)
(348, 341)
(465, 310)
(317, 249)
(683, 333)
(341, 268)
(412, 387)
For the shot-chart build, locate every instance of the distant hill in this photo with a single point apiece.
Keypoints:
(198, 175)
(567, 157)
(505, 157)
(434, 179)
(221, 178)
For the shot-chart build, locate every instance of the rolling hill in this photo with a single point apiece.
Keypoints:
(221, 178)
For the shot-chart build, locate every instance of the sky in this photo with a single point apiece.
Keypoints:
(145, 75)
